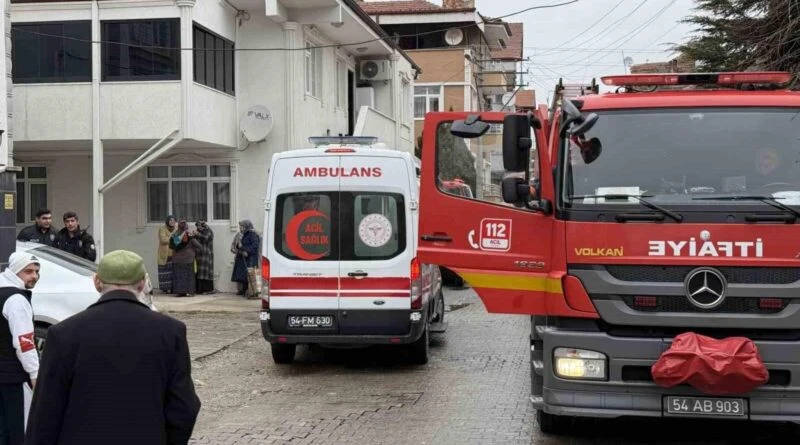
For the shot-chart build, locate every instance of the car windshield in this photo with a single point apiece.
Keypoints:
(675, 156)
(66, 260)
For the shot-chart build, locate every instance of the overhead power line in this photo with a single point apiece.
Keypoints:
(302, 48)
(592, 25)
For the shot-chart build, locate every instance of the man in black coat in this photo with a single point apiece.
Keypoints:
(117, 373)
(75, 240)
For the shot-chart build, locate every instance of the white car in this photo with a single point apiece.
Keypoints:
(65, 286)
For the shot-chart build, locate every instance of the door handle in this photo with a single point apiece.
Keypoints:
(437, 237)
(357, 274)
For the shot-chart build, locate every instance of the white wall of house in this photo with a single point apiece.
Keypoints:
(54, 121)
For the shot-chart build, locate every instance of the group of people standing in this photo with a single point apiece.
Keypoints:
(186, 258)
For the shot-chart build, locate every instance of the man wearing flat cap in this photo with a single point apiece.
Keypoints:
(117, 373)
(19, 359)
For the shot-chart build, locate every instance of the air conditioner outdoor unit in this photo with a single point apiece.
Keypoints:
(374, 70)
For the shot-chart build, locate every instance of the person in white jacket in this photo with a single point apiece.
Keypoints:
(19, 358)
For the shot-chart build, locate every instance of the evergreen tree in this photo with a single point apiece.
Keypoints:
(738, 35)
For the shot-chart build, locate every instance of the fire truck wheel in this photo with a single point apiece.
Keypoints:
(282, 353)
(551, 423)
(418, 351)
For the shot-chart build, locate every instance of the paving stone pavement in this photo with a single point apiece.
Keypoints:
(474, 390)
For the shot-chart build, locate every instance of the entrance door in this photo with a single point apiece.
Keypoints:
(351, 100)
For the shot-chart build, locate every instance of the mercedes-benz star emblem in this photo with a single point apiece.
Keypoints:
(705, 287)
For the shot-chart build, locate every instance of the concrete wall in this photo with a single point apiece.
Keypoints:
(47, 112)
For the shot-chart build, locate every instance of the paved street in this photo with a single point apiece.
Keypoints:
(473, 391)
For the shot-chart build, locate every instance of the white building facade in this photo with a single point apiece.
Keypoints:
(126, 111)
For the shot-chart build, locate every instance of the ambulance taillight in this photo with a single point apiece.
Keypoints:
(416, 285)
(264, 283)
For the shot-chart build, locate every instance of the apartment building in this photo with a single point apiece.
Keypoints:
(127, 111)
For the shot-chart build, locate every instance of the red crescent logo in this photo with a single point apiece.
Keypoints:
(293, 235)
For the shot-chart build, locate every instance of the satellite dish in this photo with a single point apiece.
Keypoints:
(256, 124)
(628, 61)
(453, 36)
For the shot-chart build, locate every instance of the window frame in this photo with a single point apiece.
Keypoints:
(407, 101)
(28, 181)
(428, 97)
(105, 54)
(206, 33)
(55, 79)
(340, 79)
(340, 247)
(312, 61)
(208, 179)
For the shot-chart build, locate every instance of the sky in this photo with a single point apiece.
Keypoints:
(579, 41)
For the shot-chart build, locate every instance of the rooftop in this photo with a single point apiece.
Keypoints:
(407, 7)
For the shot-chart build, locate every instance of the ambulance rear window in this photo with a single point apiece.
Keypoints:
(340, 226)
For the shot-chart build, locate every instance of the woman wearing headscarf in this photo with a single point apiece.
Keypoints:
(247, 256)
(205, 258)
(184, 247)
(165, 255)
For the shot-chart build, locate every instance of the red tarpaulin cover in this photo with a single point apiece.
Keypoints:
(716, 367)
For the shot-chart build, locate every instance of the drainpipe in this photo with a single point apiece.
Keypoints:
(396, 102)
(98, 230)
(187, 66)
(290, 42)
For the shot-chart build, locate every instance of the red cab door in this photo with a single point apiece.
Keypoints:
(503, 252)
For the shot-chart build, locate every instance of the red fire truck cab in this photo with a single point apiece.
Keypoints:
(668, 206)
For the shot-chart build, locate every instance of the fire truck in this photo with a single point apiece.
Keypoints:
(663, 210)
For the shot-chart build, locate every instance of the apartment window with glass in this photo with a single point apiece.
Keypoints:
(213, 60)
(313, 70)
(426, 100)
(141, 50)
(190, 192)
(31, 193)
(51, 52)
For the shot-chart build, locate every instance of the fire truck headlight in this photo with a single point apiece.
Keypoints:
(579, 364)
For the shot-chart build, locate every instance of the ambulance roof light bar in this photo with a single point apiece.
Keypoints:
(342, 140)
(731, 78)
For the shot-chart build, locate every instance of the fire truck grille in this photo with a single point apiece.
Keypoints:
(731, 305)
(676, 274)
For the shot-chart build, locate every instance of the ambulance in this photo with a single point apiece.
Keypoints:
(339, 265)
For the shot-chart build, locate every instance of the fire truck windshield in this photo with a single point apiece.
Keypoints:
(673, 156)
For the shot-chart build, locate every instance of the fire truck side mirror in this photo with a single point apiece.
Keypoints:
(469, 128)
(517, 142)
(515, 190)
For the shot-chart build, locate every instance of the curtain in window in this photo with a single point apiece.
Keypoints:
(190, 199)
